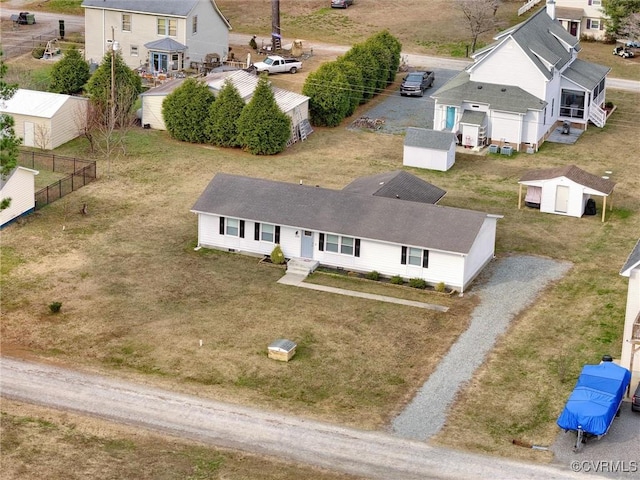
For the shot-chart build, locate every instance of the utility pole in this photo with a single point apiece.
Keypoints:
(276, 41)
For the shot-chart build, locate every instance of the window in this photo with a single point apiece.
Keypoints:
(415, 256)
(126, 22)
(337, 244)
(232, 227)
(134, 51)
(332, 243)
(593, 24)
(194, 25)
(167, 26)
(595, 2)
(266, 232)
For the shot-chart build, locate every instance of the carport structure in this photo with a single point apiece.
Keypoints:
(564, 190)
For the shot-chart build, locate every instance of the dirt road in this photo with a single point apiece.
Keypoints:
(374, 455)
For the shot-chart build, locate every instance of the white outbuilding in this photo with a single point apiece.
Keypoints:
(46, 120)
(19, 186)
(430, 149)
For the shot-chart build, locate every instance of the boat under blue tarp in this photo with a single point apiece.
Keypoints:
(595, 400)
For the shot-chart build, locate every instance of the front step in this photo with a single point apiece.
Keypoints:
(302, 266)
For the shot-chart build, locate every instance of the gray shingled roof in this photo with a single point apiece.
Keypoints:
(569, 13)
(473, 117)
(505, 98)
(165, 45)
(538, 36)
(632, 261)
(343, 213)
(178, 8)
(396, 184)
(599, 184)
(427, 138)
(174, 8)
(586, 74)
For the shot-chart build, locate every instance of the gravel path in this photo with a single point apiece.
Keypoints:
(512, 284)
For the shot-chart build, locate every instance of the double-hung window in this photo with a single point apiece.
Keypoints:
(126, 22)
(265, 232)
(194, 25)
(167, 26)
(337, 244)
(415, 256)
(232, 227)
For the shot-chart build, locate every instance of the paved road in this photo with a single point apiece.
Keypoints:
(374, 455)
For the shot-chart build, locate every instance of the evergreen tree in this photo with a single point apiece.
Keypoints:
(263, 129)
(127, 87)
(329, 95)
(8, 141)
(223, 117)
(186, 110)
(70, 74)
(360, 55)
(353, 73)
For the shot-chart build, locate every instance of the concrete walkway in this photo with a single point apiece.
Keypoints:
(297, 280)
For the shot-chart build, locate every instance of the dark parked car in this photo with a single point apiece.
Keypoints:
(415, 83)
(341, 3)
(633, 43)
(635, 400)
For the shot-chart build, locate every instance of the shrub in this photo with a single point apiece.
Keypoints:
(224, 113)
(185, 110)
(397, 280)
(54, 307)
(277, 257)
(329, 95)
(373, 276)
(263, 129)
(69, 75)
(418, 283)
(440, 287)
(37, 52)
(609, 104)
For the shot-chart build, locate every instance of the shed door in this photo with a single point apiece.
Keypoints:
(306, 247)
(562, 198)
(29, 134)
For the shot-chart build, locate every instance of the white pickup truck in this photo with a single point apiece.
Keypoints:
(277, 64)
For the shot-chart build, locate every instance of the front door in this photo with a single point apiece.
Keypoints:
(451, 118)
(562, 199)
(160, 62)
(573, 29)
(29, 134)
(306, 247)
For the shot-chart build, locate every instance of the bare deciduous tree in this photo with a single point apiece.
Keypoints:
(630, 26)
(480, 16)
(41, 136)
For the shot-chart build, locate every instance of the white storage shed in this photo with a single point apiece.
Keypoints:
(430, 149)
(20, 187)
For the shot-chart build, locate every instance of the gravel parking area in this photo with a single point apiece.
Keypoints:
(509, 285)
(401, 112)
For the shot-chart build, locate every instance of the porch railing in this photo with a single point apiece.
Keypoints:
(597, 115)
(528, 6)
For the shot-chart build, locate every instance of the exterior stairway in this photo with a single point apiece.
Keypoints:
(597, 115)
(301, 266)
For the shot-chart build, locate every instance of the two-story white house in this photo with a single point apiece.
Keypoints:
(521, 86)
(164, 35)
(582, 18)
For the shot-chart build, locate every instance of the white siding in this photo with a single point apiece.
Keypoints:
(212, 36)
(577, 197)
(66, 123)
(506, 127)
(20, 188)
(455, 270)
(152, 111)
(511, 66)
(429, 158)
(633, 308)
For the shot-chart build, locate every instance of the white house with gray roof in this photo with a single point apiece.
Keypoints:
(521, 86)
(430, 149)
(341, 228)
(630, 357)
(164, 35)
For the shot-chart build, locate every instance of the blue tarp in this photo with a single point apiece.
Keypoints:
(595, 400)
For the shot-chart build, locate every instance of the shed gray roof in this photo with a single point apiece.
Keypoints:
(473, 117)
(427, 138)
(586, 74)
(164, 89)
(166, 45)
(343, 213)
(540, 38)
(397, 184)
(573, 173)
(505, 98)
(632, 261)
